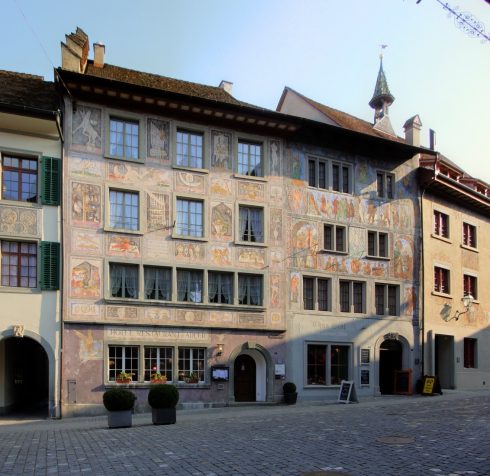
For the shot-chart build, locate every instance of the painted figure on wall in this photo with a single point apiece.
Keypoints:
(403, 258)
(221, 187)
(304, 245)
(87, 127)
(221, 222)
(86, 204)
(221, 157)
(275, 155)
(294, 287)
(187, 182)
(85, 281)
(123, 246)
(275, 290)
(158, 211)
(90, 349)
(158, 134)
(276, 224)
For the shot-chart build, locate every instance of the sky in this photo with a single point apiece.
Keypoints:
(327, 50)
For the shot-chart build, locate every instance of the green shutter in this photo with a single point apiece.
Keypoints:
(50, 181)
(50, 266)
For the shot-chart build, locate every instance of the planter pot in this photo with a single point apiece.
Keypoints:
(120, 419)
(290, 398)
(163, 416)
(123, 380)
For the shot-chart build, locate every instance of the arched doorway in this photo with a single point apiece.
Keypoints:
(390, 359)
(26, 376)
(245, 378)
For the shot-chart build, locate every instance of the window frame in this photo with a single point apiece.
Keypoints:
(441, 225)
(156, 290)
(385, 189)
(110, 115)
(351, 296)
(191, 275)
(469, 237)
(331, 183)
(470, 353)
(179, 126)
(183, 373)
(124, 265)
(334, 227)
(386, 287)
(470, 285)
(20, 172)
(440, 275)
(220, 274)
(204, 217)
(251, 140)
(327, 364)
(247, 205)
(377, 242)
(315, 293)
(191, 133)
(124, 368)
(155, 362)
(109, 225)
(18, 275)
(242, 275)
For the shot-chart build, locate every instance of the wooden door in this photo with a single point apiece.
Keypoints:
(245, 375)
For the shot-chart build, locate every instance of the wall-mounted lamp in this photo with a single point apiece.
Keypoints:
(219, 349)
(446, 310)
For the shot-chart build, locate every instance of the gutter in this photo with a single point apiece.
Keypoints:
(29, 110)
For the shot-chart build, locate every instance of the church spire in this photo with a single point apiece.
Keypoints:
(382, 100)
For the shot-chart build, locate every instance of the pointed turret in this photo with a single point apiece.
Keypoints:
(381, 101)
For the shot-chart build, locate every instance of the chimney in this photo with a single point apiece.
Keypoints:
(226, 85)
(432, 139)
(99, 51)
(412, 129)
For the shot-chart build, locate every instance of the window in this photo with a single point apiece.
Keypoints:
(250, 289)
(387, 299)
(189, 285)
(470, 353)
(250, 160)
(19, 264)
(124, 210)
(469, 235)
(351, 296)
(318, 173)
(251, 225)
(123, 138)
(191, 364)
(441, 224)
(377, 244)
(123, 280)
(441, 280)
(317, 294)
(123, 359)
(385, 183)
(158, 283)
(341, 181)
(220, 287)
(189, 149)
(19, 179)
(335, 238)
(470, 286)
(190, 217)
(327, 364)
(158, 359)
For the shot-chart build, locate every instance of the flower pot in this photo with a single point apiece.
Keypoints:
(123, 380)
(120, 419)
(163, 416)
(290, 398)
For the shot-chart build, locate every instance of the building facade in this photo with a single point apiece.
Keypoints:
(30, 237)
(456, 211)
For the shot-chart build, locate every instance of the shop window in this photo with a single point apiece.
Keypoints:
(327, 364)
(123, 358)
(159, 360)
(192, 364)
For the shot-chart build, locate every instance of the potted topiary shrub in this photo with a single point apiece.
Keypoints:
(163, 400)
(290, 393)
(119, 402)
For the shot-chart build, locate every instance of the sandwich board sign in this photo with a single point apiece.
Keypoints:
(347, 392)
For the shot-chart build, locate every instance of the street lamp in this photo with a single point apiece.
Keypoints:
(467, 304)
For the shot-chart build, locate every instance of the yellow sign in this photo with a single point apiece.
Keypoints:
(429, 383)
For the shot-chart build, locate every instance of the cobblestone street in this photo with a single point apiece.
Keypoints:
(440, 435)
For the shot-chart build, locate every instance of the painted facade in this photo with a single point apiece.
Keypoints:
(456, 210)
(30, 300)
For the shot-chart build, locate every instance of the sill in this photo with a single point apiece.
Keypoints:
(19, 290)
(123, 230)
(250, 243)
(250, 177)
(444, 295)
(190, 169)
(379, 258)
(189, 238)
(321, 385)
(318, 312)
(200, 385)
(332, 252)
(442, 238)
(139, 160)
(469, 248)
(21, 203)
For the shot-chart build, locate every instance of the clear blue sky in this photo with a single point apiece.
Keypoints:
(326, 49)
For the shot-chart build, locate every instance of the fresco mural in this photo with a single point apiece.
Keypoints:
(304, 245)
(221, 222)
(136, 175)
(90, 348)
(85, 279)
(275, 157)
(295, 281)
(183, 315)
(19, 221)
(221, 147)
(403, 256)
(87, 129)
(85, 204)
(121, 312)
(251, 191)
(83, 166)
(276, 194)
(295, 158)
(408, 303)
(332, 205)
(158, 140)
(276, 234)
(275, 291)
(250, 257)
(157, 314)
(190, 252)
(127, 246)
(296, 198)
(157, 249)
(187, 182)
(220, 186)
(158, 211)
(86, 241)
(220, 255)
(87, 310)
